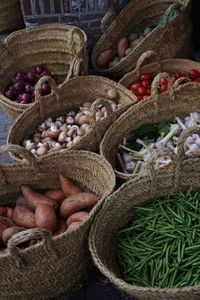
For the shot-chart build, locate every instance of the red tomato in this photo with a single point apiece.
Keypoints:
(141, 91)
(139, 98)
(168, 72)
(178, 75)
(145, 76)
(163, 81)
(145, 84)
(193, 74)
(163, 88)
(135, 86)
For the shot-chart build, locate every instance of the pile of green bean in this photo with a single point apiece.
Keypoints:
(161, 248)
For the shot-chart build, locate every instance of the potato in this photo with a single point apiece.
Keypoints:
(10, 213)
(34, 199)
(24, 217)
(4, 224)
(122, 46)
(73, 226)
(80, 216)
(104, 58)
(76, 203)
(8, 232)
(45, 217)
(3, 211)
(56, 195)
(68, 187)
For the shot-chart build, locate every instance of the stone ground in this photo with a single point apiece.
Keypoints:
(97, 287)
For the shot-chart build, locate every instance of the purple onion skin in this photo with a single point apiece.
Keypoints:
(45, 89)
(46, 73)
(28, 88)
(30, 77)
(24, 98)
(19, 76)
(19, 86)
(10, 94)
(39, 69)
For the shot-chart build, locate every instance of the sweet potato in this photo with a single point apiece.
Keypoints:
(24, 217)
(34, 199)
(76, 203)
(56, 195)
(104, 58)
(10, 213)
(4, 224)
(3, 211)
(73, 226)
(122, 46)
(8, 232)
(21, 201)
(80, 216)
(45, 217)
(68, 187)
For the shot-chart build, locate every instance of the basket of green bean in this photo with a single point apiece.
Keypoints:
(146, 237)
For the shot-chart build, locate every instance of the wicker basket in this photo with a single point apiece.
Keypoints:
(10, 16)
(173, 39)
(118, 210)
(61, 48)
(179, 101)
(69, 97)
(56, 265)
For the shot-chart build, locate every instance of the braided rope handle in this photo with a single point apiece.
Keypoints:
(146, 55)
(181, 141)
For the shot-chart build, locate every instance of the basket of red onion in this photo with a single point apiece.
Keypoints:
(140, 26)
(150, 126)
(181, 71)
(58, 51)
(74, 116)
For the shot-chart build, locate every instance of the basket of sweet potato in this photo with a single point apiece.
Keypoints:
(46, 210)
(164, 26)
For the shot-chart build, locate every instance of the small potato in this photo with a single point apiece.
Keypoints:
(3, 211)
(4, 224)
(122, 46)
(9, 232)
(68, 187)
(80, 216)
(56, 195)
(24, 217)
(132, 36)
(10, 213)
(45, 217)
(84, 120)
(113, 63)
(73, 226)
(104, 58)
(135, 43)
(77, 202)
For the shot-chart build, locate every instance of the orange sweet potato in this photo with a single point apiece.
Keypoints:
(104, 58)
(122, 46)
(45, 217)
(9, 232)
(24, 217)
(73, 226)
(68, 187)
(56, 195)
(34, 199)
(76, 203)
(80, 216)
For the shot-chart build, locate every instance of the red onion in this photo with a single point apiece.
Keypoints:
(19, 86)
(28, 88)
(10, 94)
(45, 89)
(39, 69)
(24, 98)
(19, 76)
(46, 73)
(30, 76)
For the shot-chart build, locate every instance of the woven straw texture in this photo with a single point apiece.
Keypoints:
(68, 97)
(117, 211)
(173, 39)
(62, 49)
(10, 16)
(177, 101)
(55, 265)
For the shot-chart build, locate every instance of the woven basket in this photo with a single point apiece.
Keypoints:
(55, 265)
(10, 16)
(62, 49)
(118, 210)
(69, 97)
(177, 101)
(156, 65)
(173, 39)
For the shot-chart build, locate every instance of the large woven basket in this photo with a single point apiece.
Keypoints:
(178, 101)
(173, 39)
(56, 265)
(62, 49)
(118, 210)
(68, 97)
(10, 16)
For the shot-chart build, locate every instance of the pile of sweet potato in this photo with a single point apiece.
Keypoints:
(55, 210)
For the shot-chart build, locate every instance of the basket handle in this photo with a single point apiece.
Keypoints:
(38, 96)
(181, 141)
(146, 55)
(181, 80)
(76, 66)
(18, 150)
(175, 162)
(71, 37)
(154, 88)
(27, 235)
(177, 6)
(106, 20)
(94, 107)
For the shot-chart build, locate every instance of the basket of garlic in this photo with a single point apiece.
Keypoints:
(74, 116)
